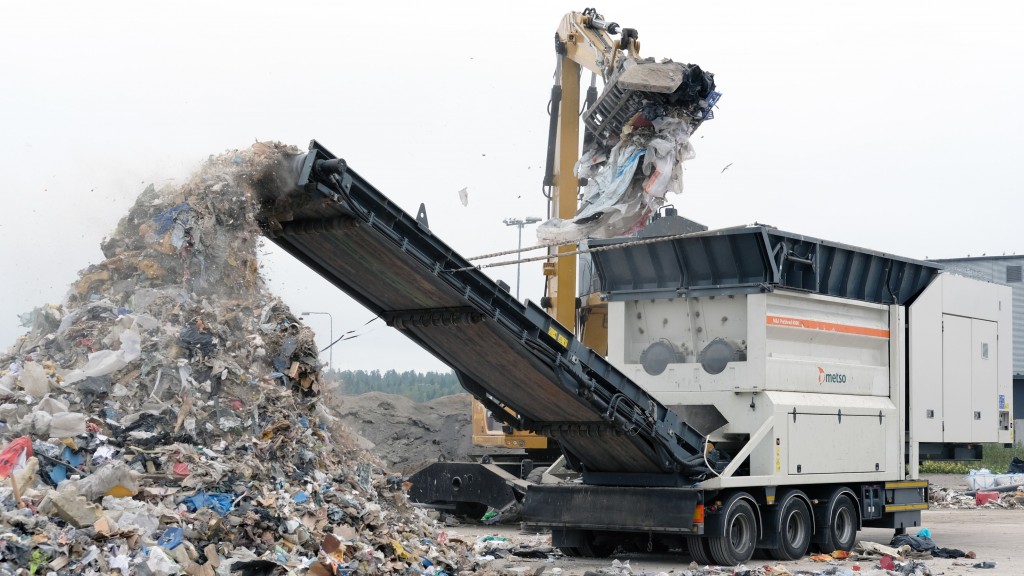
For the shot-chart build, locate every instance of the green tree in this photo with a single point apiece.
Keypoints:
(418, 386)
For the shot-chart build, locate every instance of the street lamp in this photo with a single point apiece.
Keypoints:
(330, 349)
(519, 223)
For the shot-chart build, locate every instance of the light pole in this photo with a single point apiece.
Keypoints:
(519, 223)
(330, 349)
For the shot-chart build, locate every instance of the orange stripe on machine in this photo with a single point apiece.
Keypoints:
(826, 326)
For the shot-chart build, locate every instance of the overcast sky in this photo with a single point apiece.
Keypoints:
(896, 126)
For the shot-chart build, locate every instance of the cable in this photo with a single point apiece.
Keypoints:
(713, 471)
(346, 335)
(562, 254)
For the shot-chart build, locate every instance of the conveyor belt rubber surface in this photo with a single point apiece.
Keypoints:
(506, 353)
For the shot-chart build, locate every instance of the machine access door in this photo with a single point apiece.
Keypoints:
(969, 379)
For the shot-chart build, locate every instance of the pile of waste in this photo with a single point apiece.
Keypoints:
(983, 490)
(957, 499)
(167, 417)
(984, 479)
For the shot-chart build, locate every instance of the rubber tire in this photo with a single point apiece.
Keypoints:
(795, 530)
(589, 549)
(570, 551)
(697, 548)
(737, 545)
(471, 510)
(841, 529)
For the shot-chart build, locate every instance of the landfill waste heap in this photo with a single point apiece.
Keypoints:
(166, 419)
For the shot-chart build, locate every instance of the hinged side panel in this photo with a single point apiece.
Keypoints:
(956, 378)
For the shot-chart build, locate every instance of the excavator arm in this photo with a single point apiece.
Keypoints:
(586, 39)
(631, 85)
(583, 40)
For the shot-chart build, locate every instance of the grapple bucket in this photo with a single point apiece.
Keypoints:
(671, 86)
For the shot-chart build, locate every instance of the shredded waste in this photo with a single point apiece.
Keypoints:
(984, 490)
(167, 418)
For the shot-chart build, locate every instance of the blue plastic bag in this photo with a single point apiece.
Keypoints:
(220, 503)
(171, 538)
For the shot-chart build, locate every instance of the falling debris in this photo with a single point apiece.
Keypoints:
(464, 196)
(726, 168)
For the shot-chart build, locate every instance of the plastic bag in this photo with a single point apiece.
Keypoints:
(109, 479)
(220, 503)
(130, 514)
(663, 163)
(52, 405)
(67, 424)
(107, 362)
(197, 341)
(34, 380)
(15, 455)
(605, 201)
(158, 564)
(619, 199)
(1016, 466)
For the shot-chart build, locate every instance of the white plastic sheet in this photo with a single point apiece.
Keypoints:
(34, 380)
(96, 485)
(67, 424)
(619, 198)
(158, 564)
(52, 405)
(109, 361)
(130, 514)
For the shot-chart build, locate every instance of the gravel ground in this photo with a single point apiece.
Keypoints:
(994, 535)
(947, 481)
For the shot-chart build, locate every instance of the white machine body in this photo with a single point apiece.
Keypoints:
(803, 387)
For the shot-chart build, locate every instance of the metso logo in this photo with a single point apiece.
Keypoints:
(830, 377)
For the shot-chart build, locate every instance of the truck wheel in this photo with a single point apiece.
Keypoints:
(794, 529)
(570, 551)
(591, 548)
(841, 530)
(471, 510)
(737, 545)
(699, 550)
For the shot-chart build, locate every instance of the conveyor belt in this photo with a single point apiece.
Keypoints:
(506, 353)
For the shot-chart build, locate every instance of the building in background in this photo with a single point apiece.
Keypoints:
(1008, 270)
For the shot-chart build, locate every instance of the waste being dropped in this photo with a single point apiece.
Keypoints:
(629, 174)
(166, 418)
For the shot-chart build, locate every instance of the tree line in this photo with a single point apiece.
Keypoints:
(418, 386)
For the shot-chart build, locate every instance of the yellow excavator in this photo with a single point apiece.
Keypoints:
(634, 88)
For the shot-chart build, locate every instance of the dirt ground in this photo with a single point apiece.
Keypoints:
(994, 535)
(406, 435)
